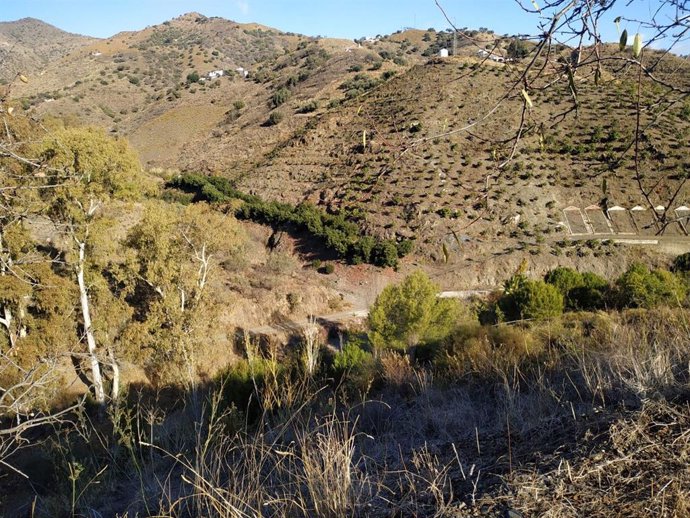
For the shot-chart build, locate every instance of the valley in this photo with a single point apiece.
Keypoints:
(248, 272)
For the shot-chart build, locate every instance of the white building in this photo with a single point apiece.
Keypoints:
(215, 74)
(443, 53)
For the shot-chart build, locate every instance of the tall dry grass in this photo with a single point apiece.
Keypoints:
(585, 415)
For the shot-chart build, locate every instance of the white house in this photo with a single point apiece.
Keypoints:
(242, 72)
(484, 54)
(215, 74)
(443, 53)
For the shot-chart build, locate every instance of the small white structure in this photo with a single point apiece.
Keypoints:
(443, 53)
(242, 72)
(215, 74)
(484, 54)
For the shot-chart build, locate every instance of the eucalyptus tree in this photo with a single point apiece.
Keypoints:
(174, 257)
(87, 171)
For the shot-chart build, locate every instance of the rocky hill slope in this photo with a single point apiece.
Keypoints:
(29, 45)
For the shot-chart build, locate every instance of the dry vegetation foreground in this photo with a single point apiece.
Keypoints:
(582, 416)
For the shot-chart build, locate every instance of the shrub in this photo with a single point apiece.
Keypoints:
(475, 348)
(279, 97)
(410, 314)
(308, 107)
(328, 268)
(274, 118)
(591, 295)
(355, 365)
(193, 77)
(528, 299)
(639, 287)
(565, 279)
(353, 357)
(581, 291)
(681, 264)
(338, 234)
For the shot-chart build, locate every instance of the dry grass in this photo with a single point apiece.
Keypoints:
(597, 427)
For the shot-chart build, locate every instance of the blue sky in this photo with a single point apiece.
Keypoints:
(333, 18)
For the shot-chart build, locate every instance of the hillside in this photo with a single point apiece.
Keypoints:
(28, 45)
(421, 175)
(404, 143)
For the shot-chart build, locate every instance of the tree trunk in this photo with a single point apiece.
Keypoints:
(7, 322)
(96, 377)
(115, 389)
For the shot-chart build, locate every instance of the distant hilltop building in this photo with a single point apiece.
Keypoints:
(485, 54)
(443, 53)
(242, 72)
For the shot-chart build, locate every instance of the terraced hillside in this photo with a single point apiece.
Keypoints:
(424, 154)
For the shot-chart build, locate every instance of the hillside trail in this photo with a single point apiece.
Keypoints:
(340, 318)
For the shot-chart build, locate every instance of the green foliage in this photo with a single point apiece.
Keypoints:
(170, 262)
(410, 313)
(274, 118)
(353, 357)
(639, 287)
(359, 84)
(591, 295)
(581, 291)
(339, 235)
(193, 77)
(309, 107)
(279, 97)
(355, 365)
(475, 348)
(527, 299)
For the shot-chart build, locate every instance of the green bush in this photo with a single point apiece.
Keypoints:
(308, 107)
(475, 348)
(353, 357)
(565, 279)
(338, 234)
(274, 118)
(355, 365)
(581, 291)
(279, 97)
(591, 295)
(410, 314)
(639, 287)
(527, 299)
(193, 77)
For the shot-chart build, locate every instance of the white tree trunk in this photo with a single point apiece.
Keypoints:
(115, 389)
(97, 379)
(7, 322)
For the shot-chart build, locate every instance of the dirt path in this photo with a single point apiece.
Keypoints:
(291, 327)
